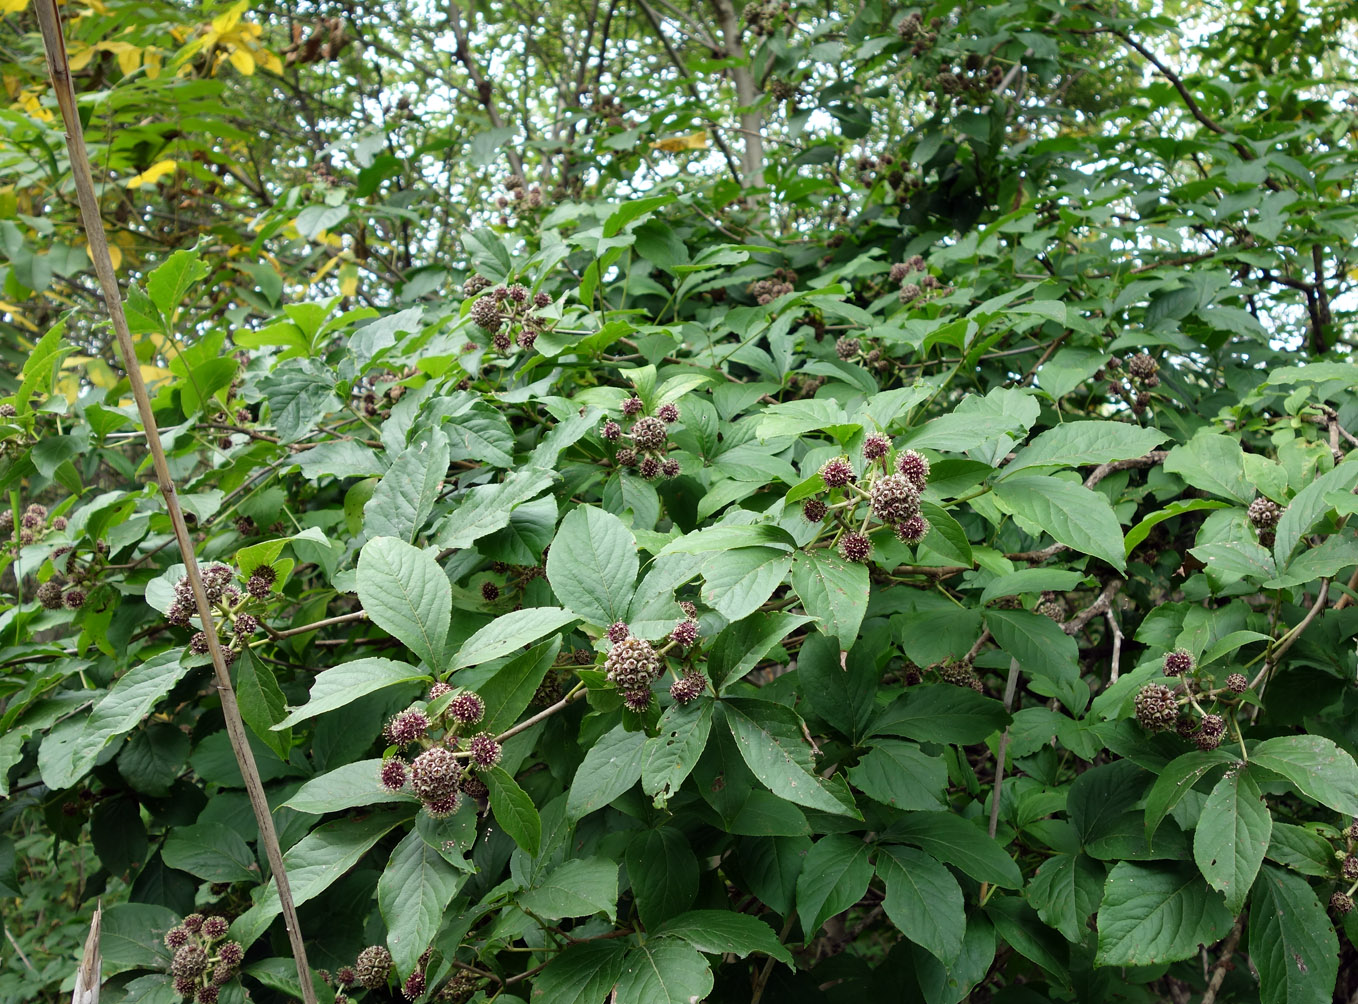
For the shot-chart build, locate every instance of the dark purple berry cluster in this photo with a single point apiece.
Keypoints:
(202, 963)
(508, 314)
(236, 613)
(649, 439)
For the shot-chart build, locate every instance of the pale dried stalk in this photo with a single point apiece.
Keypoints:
(90, 974)
(49, 20)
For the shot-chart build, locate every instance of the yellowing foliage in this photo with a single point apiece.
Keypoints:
(676, 144)
(152, 174)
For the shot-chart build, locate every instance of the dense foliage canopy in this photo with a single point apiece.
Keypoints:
(799, 503)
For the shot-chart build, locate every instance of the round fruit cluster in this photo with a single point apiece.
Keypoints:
(649, 438)
(442, 771)
(892, 497)
(1194, 706)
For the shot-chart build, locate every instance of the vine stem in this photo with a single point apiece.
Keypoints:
(1223, 960)
(58, 67)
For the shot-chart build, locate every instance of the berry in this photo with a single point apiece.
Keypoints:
(185, 986)
(245, 624)
(74, 599)
(413, 988)
(407, 727)
(690, 609)
(912, 530)
(485, 314)
(8, 410)
(442, 808)
(518, 293)
(490, 592)
(474, 787)
(1264, 513)
(670, 469)
(1156, 708)
(898, 271)
(1341, 903)
(627, 457)
(59, 523)
(909, 292)
(632, 664)
(215, 928)
(875, 446)
(649, 433)
(814, 510)
(1236, 683)
(893, 498)
(649, 468)
(216, 577)
(617, 631)
(542, 299)
(836, 473)
(246, 527)
(668, 413)
(689, 687)
(175, 937)
(230, 954)
(685, 633)
(1350, 867)
(855, 547)
(475, 284)
(1142, 365)
(485, 751)
(1208, 736)
(637, 700)
(207, 995)
(392, 774)
(438, 690)
(49, 595)
(434, 774)
(1178, 662)
(915, 467)
(611, 431)
(198, 643)
(632, 406)
(373, 967)
(846, 348)
(189, 960)
(467, 708)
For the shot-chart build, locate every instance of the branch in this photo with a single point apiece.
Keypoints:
(483, 86)
(1223, 963)
(1173, 78)
(1103, 604)
(49, 20)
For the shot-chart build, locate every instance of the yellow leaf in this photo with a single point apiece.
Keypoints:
(153, 173)
(269, 61)
(80, 56)
(101, 375)
(153, 374)
(17, 316)
(115, 254)
(153, 62)
(348, 279)
(324, 269)
(68, 387)
(223, 23)
(12, 6)
(693, 141)
(129, 59)
(242, 61)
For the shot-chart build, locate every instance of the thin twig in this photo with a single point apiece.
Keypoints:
(1116, 633)
(762, 979)
(15, 944)
(1099, 606)
(58, 66)
(357, 615)
(1223, 963)
(1010, 687)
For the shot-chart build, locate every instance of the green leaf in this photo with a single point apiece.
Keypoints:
(415, 888)
(38, 376)
(168, 283)
(347, 787)
(211, 852)
(584, 973)
(1037, 642)
(579, 888)
(663, 873)
(940, 713)
(1232, 835)
(487, 508)
(593, 564)
(834, 876)
(407, 595)
(743, 645)
(511, 689)
(739, 584)
(833, 591)
(1142, 529)
(1073, 444)
(334, 688)
(670, 755)
(840, 689)
(1292, 942)
(1301, 849)
(960, 843)
(663, 971)
(514, 810)
(313, 864)
(1065, 890)
(509, 632)
(923, 900)
(719, 932)
(612, 765)
(72, 748)
(262, 704)
(406, 494)
(1232, 560)
(1176, 780)
(1309, 506)
(1214, 463)
(946, 537)
(1157, 913)
(133, 937)
(770, 739)
(1316, 767)
(1018, 924)
(729, 537)
(1074, 515)
(901, 775)
(1030, 580)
